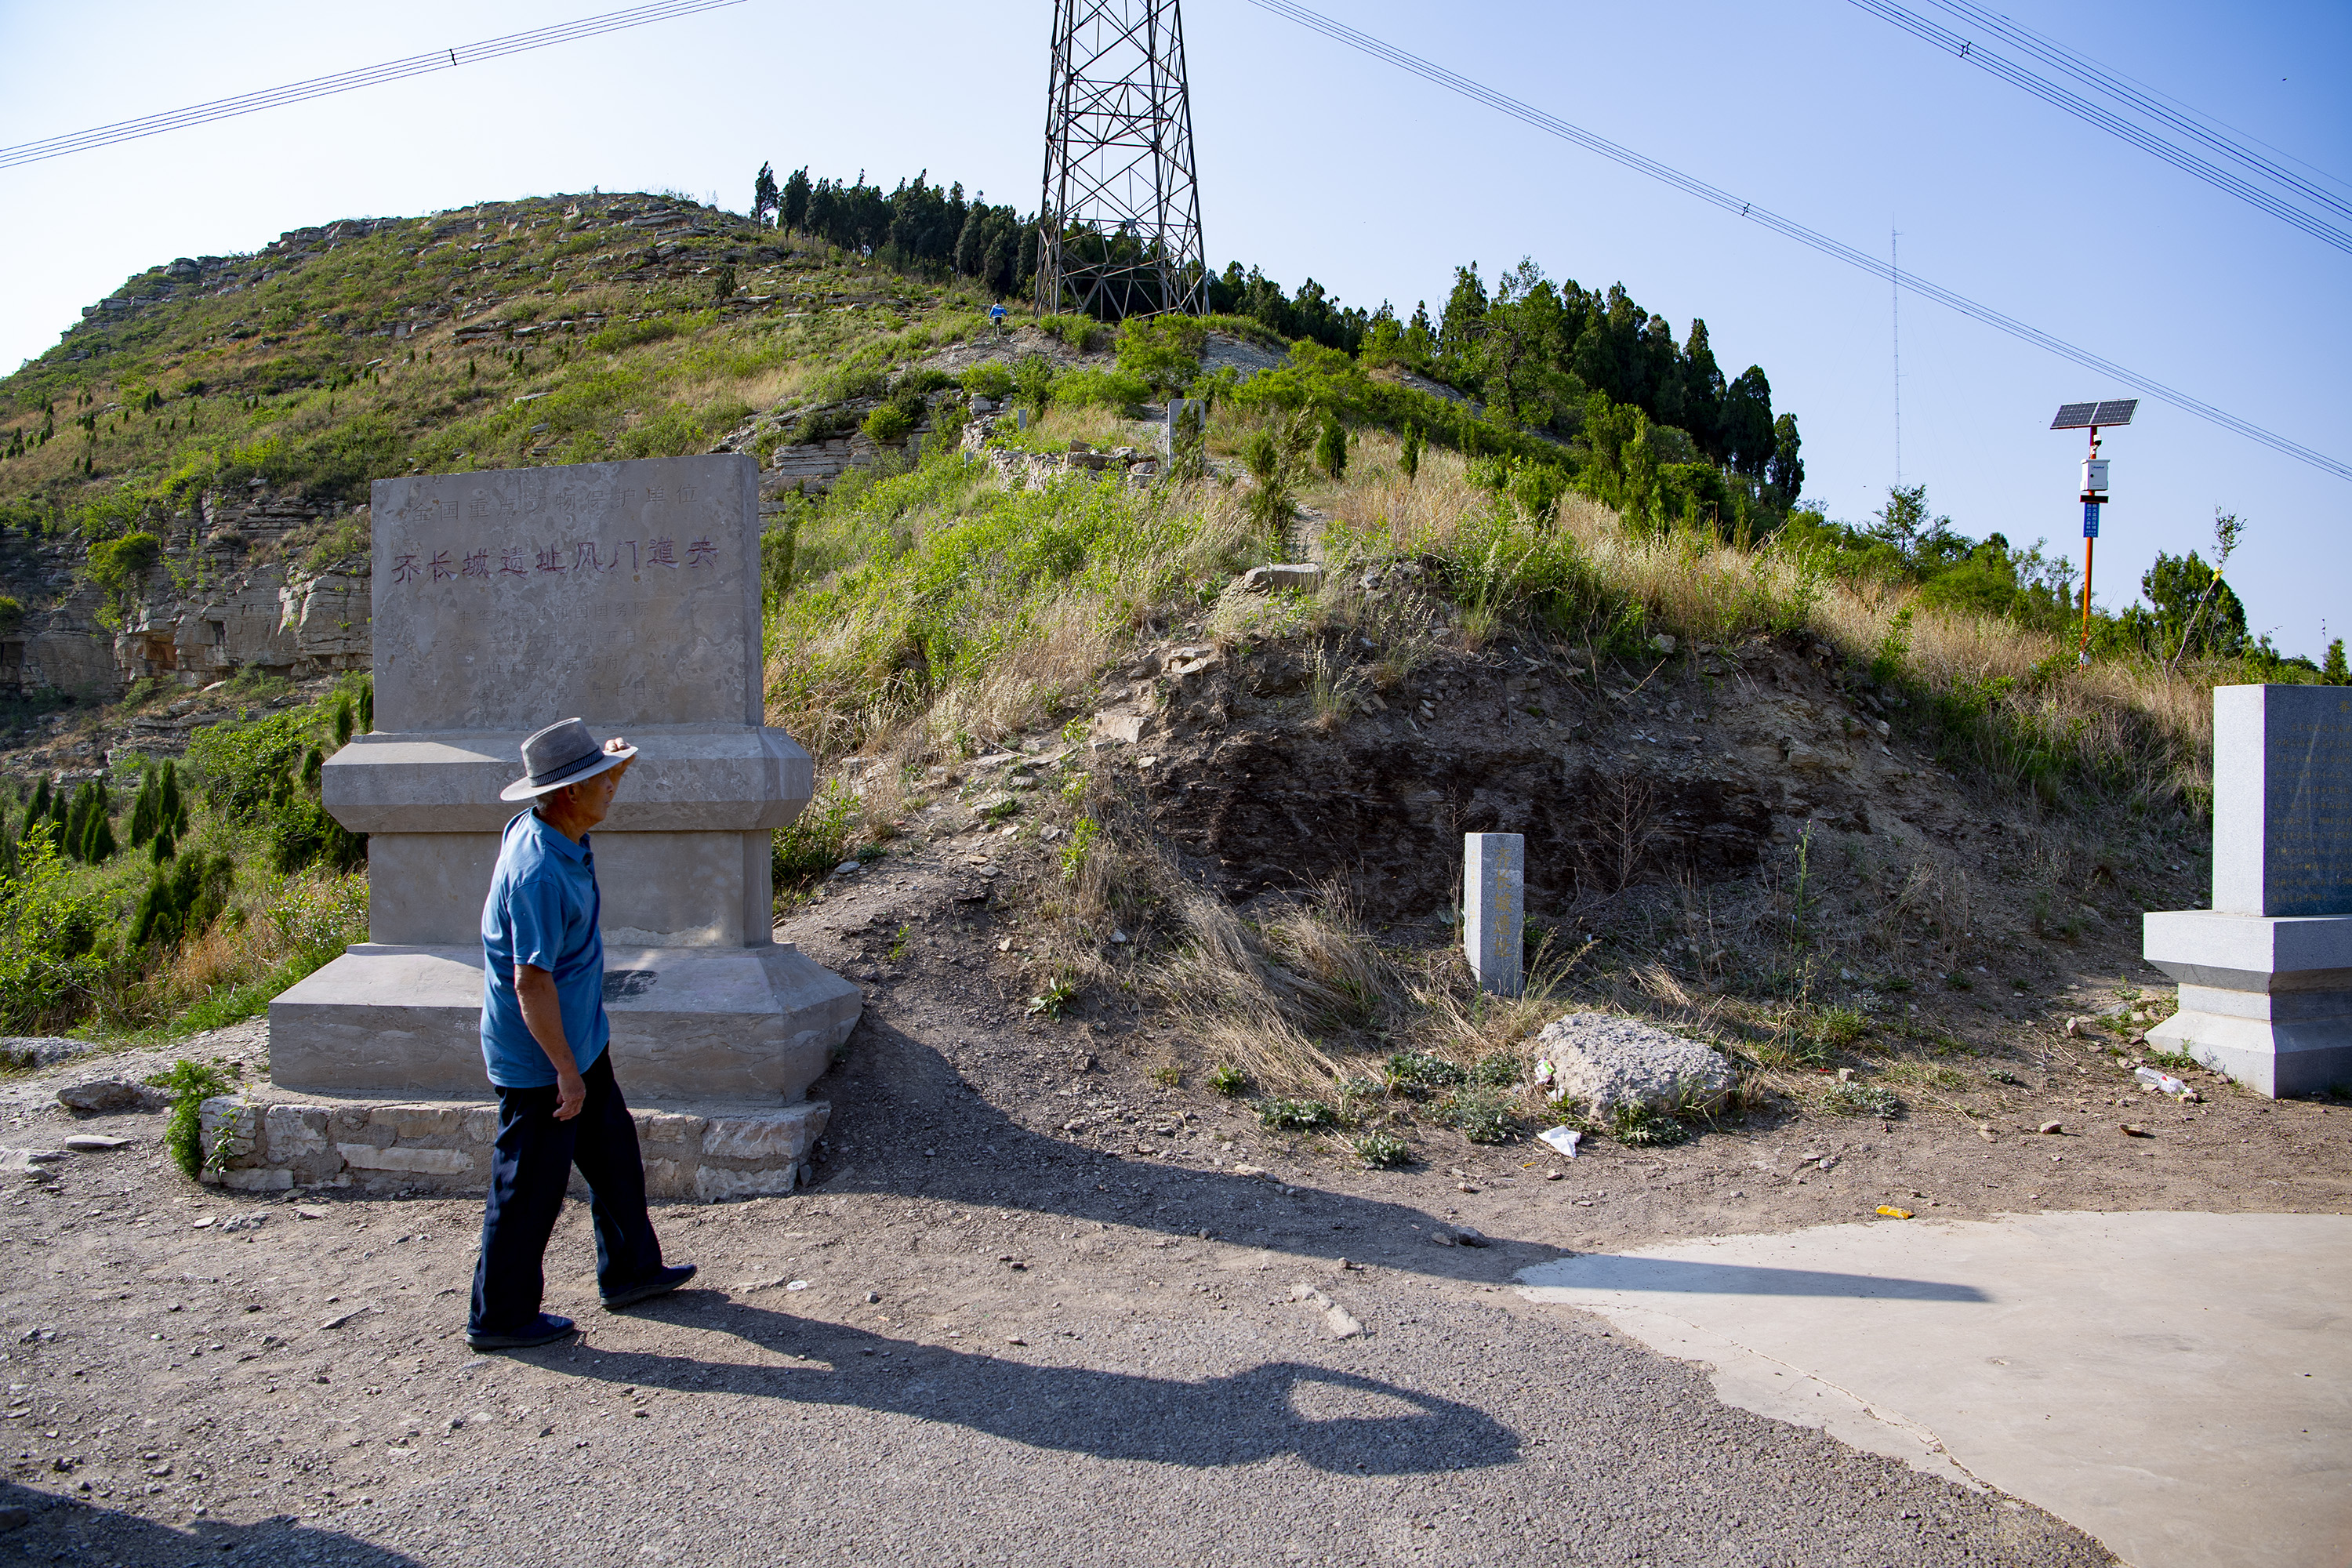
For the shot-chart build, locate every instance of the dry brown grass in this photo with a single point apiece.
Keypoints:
(1306, 1001)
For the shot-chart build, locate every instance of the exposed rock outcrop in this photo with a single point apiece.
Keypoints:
(236, 588)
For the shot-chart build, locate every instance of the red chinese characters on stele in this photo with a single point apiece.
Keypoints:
(587, 557)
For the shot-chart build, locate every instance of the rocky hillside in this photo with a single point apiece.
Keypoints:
(233, 409)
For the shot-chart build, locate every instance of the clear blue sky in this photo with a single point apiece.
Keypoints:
(1315, 160)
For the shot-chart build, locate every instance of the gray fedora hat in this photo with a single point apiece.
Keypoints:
(563, 753)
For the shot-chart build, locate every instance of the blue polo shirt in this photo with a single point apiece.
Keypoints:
(542, 911)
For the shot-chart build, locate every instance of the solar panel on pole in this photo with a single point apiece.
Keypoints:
(2116, 412)
(2076, 416)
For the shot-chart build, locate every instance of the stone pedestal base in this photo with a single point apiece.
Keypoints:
(276, 1141)
(755, 1025)
(2265, 999)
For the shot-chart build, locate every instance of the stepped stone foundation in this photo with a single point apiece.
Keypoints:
(626, 594)
(272, 1142)
(2266, 974)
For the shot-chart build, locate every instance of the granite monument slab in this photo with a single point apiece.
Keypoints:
(626, 594)
(2265, 974)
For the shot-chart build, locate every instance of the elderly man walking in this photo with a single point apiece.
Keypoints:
(543, 1037)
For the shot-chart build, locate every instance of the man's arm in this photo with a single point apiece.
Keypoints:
(543, 1014)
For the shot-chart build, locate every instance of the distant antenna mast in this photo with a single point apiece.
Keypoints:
(1895, 290)
(1119, 222)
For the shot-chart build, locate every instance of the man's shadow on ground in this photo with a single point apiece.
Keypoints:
(73, 1529)
(1364, 1425)
(906, 1121)
(909, 1123)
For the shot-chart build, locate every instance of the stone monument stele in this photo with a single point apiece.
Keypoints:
(2266, 974)
(628, 595)
(1495, 908)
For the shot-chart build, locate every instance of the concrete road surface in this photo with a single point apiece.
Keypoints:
(2176, 1384)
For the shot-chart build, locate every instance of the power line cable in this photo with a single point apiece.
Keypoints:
(2139, 95)
(2106, 120)
(346, 81)
(1789, 229)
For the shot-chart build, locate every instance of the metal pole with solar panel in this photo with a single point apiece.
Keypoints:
(2090, 417)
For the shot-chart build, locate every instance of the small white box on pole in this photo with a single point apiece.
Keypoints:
(1494, 909)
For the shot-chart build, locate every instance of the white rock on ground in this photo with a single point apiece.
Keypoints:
(1603, 1062)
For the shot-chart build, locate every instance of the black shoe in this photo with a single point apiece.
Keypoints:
(661, 1284)
(549, 1329)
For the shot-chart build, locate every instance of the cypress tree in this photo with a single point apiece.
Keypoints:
(40, 800)
(98, 838)
(172, 812)
(162, 847)
(1331, 448)
(1409, 456)
(186, 877)
(153, 913)
(143, 810)
(343, 720)
(73, 821)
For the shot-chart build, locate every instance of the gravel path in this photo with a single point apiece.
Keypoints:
(1031, 1311)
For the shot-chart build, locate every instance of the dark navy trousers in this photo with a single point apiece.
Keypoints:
(530, 1169)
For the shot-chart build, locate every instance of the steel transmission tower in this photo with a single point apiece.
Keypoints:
(1119, 222)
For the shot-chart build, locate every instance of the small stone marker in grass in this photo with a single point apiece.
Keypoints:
(1494, 909)
(2266, 974)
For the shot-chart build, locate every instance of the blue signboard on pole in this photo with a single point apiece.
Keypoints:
(2090, 519)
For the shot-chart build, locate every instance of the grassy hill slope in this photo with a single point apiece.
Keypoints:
(941, 604)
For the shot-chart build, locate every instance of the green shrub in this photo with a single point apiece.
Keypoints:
(1382, 1151)
(1074, 854)
(1851, 1098)
(816, 840)
(821, 425)
(1229, 1080)
(1502, 1070)
(1331, 449)
(1033, 382)
(1080, 332)
(1481, 1115)
(49, 923)
(183, 902)
(1418, 1073)
(1089, 388)
(672, 433)
(243, 767)
(850, 384)
(115, 564)
(190, 1084)
(990, 379)
(1296, 1115)
(1061, 994)
(346, 541)
(887, 424)
(1163, 352)
(1638, 1127)
(301, 834)
(622, 335)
